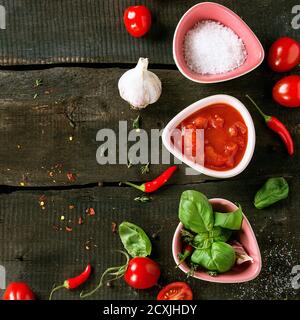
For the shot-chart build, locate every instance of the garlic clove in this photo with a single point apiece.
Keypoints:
(139, 86)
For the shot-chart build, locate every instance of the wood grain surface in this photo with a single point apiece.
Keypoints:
(77, 102)
(36, 247)
(92, 31)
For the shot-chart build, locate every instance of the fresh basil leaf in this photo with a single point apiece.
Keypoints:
(135, 240)
(195, 212)
(230, 220)
(202, 241)
(220, 234)
(219, 257)
(275, 189)
(205, 240)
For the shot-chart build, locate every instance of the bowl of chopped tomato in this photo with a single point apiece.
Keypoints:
(214, 136)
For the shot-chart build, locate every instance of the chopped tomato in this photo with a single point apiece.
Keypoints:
(216, 121)
(201, 123)
(233, 132)
(213, 158)
(241, 127)
(176, 291)
(240, 141)
(189, 140)
(225, 136)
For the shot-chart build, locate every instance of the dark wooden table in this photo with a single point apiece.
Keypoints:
(79, 48)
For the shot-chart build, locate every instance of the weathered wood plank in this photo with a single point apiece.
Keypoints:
(32, 250)
(81, 31)
(35, 133)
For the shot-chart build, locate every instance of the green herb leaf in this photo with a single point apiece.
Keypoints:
(143, 199)
(195, 212)
(145, 168)
(129, 164)
(212, 273)
(274, 190)
(229, 220)
(205, 240)
(187, 236)
(137, 122)
(38, 82)
(135, 240)
(220, 257)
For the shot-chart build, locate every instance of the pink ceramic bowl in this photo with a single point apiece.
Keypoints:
(242, 273)
(217, 12)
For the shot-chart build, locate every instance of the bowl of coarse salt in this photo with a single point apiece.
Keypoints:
(213, 44)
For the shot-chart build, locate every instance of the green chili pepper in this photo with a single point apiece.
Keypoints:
(275, 189)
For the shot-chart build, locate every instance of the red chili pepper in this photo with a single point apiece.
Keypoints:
(155, 184)
(75, 282)
(277, 126)
(188, 250)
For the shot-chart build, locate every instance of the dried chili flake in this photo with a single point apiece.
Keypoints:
(42, 198)
(90, 211)
(71, 176)
(80, 220)
(69, 229)
(71, 206)
(114, 227)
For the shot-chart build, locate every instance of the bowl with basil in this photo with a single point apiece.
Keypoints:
(214, 240)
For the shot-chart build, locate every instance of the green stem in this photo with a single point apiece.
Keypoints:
(182, 259)
(141, 187)
(120, 271)
(266, 117)
(56, 289)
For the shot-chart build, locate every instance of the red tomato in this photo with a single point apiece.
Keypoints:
(287, 91)
(176, 291)
(18, 291)
(284, 54)
(137, 20)
(142, 273)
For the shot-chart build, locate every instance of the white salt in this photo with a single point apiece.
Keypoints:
(212, 48)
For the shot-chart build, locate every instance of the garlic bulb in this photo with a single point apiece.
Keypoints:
(139, 86)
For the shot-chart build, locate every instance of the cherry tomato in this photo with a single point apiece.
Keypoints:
(137, 20)
(284, 54)
(18, 291)
(142, 273)
(287, 91)
(176, 291)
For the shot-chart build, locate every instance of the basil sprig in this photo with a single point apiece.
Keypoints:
(213, 230)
